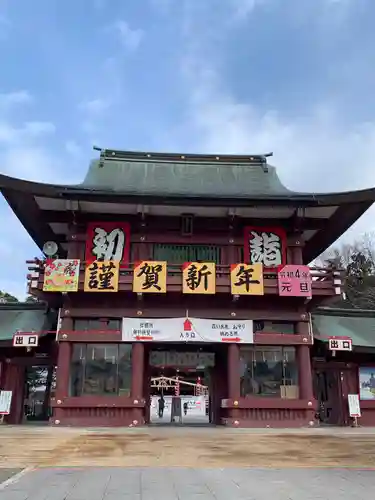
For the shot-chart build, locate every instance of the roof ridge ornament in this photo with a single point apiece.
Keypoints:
(116, 154)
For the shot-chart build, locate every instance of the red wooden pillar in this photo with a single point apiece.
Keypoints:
(147, 384)
(234, 381)
(62, 377)
(14, 380)
(138, 365)
(303, 351)
(304, 373)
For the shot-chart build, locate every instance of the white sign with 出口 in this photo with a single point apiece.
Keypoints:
(21, 339)
(187, 330)
(339, 344)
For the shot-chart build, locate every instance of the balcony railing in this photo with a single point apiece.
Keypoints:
(325, 282)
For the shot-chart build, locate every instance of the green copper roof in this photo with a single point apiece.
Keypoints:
(185, 178)
(358, 325)
(21, 317)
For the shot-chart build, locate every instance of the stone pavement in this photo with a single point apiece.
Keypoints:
(110, 483)
(6, 473)
(161, 446)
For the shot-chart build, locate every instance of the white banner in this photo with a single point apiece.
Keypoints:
(187, 330)
(5, 402)
(354, 406)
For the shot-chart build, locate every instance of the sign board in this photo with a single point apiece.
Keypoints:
(102, 276)
(367, 383)
(22, 339)
(294, 281)
(150, 277)
(5, 402)
(247, 279)
(354, 407)
(196, 406)
(61, 275)
(340, 344)
(187, 330)
(199, 277)
(182, 359)
(108, 241)
(265, 245)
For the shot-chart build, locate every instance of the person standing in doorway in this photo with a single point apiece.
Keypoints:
(161, 405)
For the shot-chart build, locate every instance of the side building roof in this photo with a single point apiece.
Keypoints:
(123, 183)
(358, 324)
(24, 317)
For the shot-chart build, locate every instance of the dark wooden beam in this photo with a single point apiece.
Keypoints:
(162, 312)
(335, 226)
(28, 212)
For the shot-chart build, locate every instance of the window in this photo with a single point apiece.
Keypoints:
(178, 254)
(96, 324)
(101, 369)
(269, 372)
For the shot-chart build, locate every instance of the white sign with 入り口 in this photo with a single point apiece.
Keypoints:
(187, 330)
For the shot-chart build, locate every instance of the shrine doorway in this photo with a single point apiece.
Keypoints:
(181, 385)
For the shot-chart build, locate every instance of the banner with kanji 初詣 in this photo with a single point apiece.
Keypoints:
(108, 241)
(61, 275)
(265, 245)
(294, 280)
(246, 279)
(102, 276)
(199, 277)
(150, 277)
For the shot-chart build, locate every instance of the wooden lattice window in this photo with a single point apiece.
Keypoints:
(177, 254)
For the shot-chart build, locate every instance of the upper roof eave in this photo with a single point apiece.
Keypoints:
(14, 184)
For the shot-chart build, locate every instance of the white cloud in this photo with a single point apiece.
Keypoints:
(243, 8)
(10, 134)
(23, 149)
(73, 148)
(162, 6)
(95, 106)
(36, 128)
(22, 153)
(130, 38)
(12, 98)
(313, 152)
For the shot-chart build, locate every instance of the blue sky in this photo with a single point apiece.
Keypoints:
(295, 77)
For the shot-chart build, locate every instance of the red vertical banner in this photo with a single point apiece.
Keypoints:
(265, 245)
(108, 241)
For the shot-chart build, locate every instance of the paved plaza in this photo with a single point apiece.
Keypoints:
(165, 463)
(191, 484)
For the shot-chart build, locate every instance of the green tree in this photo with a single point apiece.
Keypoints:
(7, 297)
(358, 263)
(31, 298)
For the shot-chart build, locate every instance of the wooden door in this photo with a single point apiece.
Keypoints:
(349, 385)
(327, 388)
(332, 384)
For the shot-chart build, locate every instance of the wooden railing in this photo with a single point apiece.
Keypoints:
(325, 282)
